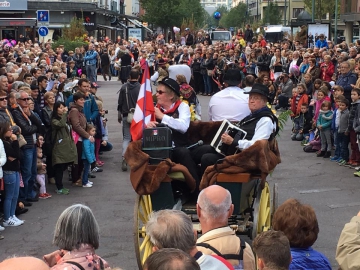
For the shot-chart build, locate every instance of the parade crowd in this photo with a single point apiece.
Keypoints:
(52, 120)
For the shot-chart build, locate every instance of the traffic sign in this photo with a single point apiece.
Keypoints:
(43, 16)
(43, 31)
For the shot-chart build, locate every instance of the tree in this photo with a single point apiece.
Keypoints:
(322, 7)
(169, 13)
(75, 30)
(272, 14)
(236, 17)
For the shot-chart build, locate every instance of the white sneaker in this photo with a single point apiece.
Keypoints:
(87, 185)
(91, 183)
(1, 228)
(20, 220)
(11, 223)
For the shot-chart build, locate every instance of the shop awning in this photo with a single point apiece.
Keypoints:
(15, 22)
(122, 25)
(148, 29)
(135, 22)
(106, 27)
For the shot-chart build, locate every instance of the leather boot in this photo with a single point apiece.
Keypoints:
(327, 154)
(321, 154)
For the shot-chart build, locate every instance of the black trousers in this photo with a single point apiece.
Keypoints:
(59, 172)
(283, 101)
(198, 82)
(209, 159)
(191, 158)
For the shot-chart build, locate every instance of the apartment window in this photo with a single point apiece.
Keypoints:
(297, 11)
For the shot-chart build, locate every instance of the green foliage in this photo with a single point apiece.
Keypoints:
(69, 45)
(322, 7)
(236, 17)
(75, 30)
(272, 15)
(172, 12)
(283, 118)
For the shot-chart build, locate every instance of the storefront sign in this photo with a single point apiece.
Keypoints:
(17, 22)
(89, 20)
(10, 5)
(134, 33)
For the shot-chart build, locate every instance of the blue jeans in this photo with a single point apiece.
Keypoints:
(113, 70)
(342, 146)
(91, 72)
(12, 186)
(126, 135)
(28, 172)
(85, 177)
(106, 148)
(207, 84)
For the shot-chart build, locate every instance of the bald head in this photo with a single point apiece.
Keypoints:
(214, 205)
(24, 263)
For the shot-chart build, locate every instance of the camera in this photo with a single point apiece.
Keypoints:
(106, 111)
(15, 129)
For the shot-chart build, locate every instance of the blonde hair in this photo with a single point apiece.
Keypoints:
(99, 104)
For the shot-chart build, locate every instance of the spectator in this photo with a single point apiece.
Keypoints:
(299, 223)
(64, 148)
(78, 122)
(105, 65)
(170, 258)
(173, 229)
(346, 79)
(189, 38)
(347, 250)
(321, 42)
(284, 92)
(75, 244)
(88, 155)
(273, 251)
(30, 125)
(90, 59)
(213, 208)
(128, 95)
(248, 34)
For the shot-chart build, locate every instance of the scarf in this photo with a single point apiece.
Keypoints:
(172, 109)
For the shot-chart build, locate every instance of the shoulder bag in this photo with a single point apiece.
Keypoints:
(130, 115)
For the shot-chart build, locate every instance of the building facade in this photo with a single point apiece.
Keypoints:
(101, 18)
(350, 15)
(216, 3)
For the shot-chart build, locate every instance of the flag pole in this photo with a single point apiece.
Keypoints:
(144, 79)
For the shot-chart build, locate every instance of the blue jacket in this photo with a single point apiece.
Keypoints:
(308, 259)
(345, 82)
(324, 120)
(321, 44)
(88, 151)
(90, 57)
(91, 109)
(333, 120)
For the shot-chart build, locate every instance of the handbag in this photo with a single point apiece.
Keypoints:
(130, 115)
(75, 136)
(117, 65)
(210, 72)
(21, 140)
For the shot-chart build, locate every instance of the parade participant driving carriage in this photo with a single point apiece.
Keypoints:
(260, 124)
(170, 111)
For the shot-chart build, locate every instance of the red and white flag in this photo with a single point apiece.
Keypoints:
(144, 111)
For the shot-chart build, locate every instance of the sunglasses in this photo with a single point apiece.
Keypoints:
(25, 99)
(2, 99)
(160, 92)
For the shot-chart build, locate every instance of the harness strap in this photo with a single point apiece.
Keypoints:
(239, 256)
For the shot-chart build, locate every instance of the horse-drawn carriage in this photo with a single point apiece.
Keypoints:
(243, 174)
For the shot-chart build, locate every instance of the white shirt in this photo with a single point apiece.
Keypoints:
(230, 103)
(182, 123)
(264, 128)
(208, 262)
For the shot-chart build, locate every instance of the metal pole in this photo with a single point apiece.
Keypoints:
(336, 21)
(257, 10)
(285, 14)
(313, 11)
(268, 12)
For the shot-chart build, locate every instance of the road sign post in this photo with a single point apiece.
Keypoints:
(43, 17)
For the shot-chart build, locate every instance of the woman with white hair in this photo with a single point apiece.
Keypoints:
(76, 245)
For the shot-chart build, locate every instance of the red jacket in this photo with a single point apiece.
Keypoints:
(326, 73)
(297, 109)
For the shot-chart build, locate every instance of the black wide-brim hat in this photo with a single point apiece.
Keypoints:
(232, 76)
(172, 84)
(259, 89)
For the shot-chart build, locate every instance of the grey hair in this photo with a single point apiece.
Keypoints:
(18, 94)
(213, 211)
(170, 258)
(2, 77)
(171, 229)
(9, 67)
(76, 225)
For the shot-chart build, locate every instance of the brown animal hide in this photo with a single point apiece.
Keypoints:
(262, 157)
(146, 178)
(204, 131)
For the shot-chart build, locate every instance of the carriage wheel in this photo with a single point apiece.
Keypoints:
(262, 213)
(143, 246)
